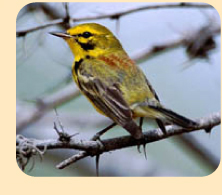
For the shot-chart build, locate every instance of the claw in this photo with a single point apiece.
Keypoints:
(99, 141)
(100, 133)
(96, 137)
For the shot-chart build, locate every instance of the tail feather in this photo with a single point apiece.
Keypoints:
(175, 118)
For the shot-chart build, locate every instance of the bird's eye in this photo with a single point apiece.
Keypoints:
(86, 34)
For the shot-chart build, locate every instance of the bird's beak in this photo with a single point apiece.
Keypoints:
(62, 35)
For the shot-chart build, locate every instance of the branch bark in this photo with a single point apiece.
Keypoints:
(92, 148)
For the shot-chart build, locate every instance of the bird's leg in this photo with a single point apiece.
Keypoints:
(96, 137)
(161, 126)
(141, 122)
(100, 133)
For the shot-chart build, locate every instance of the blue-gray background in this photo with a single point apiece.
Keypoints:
(44, 60)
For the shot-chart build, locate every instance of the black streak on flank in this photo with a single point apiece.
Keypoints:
(86, 46)
(77, 65)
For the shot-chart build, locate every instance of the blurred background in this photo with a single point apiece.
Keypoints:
(186, 80)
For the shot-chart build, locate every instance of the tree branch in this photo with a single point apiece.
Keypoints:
(148, 7)
(21, 33)
(117, 15)
(92, 148)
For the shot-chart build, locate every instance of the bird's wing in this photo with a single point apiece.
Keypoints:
(110, 101)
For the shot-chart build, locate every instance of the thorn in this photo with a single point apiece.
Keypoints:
(63, 136)
(208, 130)
(138, 148)
(67, 15)
(55, 128)
(144, 150)
(97, 164)
(60, 123)
(73, 135)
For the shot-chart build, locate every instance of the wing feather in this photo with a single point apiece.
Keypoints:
(110, 101)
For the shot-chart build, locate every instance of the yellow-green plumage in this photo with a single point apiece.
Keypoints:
(112, 82)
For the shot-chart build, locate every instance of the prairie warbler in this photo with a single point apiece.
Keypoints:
(112, 82)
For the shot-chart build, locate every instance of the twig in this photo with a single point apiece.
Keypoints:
(148, 7)
(199, 45)
(155, 49)
(67, 15)
(21, 33)
(92, 148)
(117, 15)
(72, 160)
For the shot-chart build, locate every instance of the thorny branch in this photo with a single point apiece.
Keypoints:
(117, 15)
(93, 148)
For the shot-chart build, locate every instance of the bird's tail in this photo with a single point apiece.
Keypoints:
(173, 117)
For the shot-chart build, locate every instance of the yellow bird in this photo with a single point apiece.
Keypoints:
(112, 82)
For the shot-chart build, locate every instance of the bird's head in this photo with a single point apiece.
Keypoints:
(90, 39)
